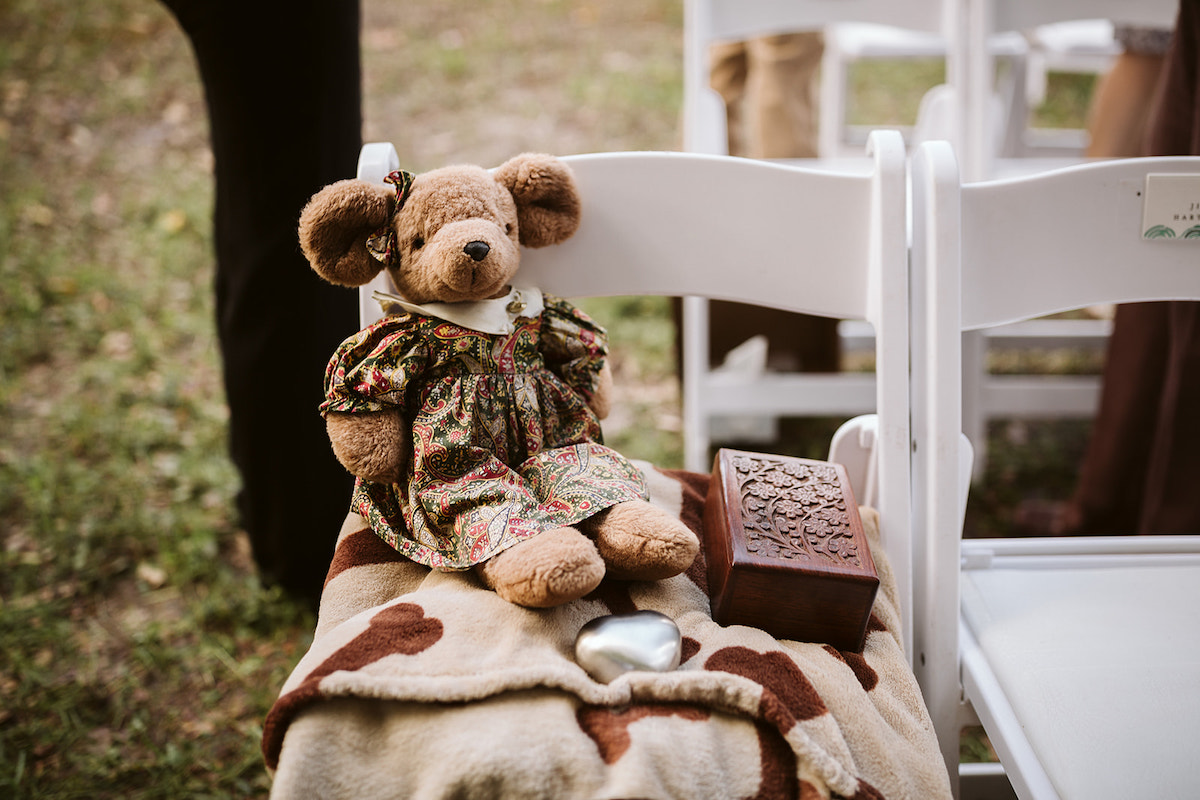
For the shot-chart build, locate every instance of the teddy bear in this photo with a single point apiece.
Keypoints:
(470, 414)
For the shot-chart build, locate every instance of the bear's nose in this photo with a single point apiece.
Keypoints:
(477, 250)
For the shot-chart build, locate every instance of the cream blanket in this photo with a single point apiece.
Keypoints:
(425, 685)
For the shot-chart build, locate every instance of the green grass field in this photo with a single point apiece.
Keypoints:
(140, 654)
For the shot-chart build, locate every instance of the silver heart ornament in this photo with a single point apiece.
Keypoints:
(644, 640)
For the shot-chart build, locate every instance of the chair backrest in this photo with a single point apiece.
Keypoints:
(820, 242)
(989, 253)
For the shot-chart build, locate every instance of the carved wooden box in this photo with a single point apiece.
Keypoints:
(786, 551)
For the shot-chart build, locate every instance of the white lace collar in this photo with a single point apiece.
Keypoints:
(495, 316)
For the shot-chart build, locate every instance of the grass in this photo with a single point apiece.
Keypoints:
(141, 654)
(140, 651)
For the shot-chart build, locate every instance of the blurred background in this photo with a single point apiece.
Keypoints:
(140, 653)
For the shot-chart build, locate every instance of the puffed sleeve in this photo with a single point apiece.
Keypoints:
(372, 369)
(573, 344)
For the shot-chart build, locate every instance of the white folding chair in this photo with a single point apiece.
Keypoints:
(1078, 655)
(727, 228)
(719, 398)
(989, 137)
(1078, 46)
(981, 144)
(858, 29)
(876, 27)
(1071, 45)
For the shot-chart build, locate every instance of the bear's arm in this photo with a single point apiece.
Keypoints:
(372, 445)
(367, 384)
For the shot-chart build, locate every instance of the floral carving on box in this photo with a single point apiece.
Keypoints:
(795, 510)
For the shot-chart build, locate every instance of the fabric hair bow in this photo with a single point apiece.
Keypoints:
(382, 243)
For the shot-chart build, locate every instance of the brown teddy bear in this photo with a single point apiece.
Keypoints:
(470, 414)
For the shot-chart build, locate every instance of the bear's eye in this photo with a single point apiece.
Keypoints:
(508, 228)
(417, 243)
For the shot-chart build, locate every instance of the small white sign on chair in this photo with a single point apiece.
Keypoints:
(1171, 207)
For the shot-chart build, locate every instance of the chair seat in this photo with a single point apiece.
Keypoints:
(1100, 657)
(1076, 45)
(871, 40)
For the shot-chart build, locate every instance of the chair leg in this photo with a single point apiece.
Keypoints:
(695, 365)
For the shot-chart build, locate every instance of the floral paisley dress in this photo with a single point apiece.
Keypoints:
(504, 444)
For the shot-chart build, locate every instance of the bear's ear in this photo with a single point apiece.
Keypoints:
(547, 199)
(335, 225)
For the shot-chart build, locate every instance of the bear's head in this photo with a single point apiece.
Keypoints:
(449, 235)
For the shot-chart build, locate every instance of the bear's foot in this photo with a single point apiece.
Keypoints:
(552, 568)
(639, 541)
